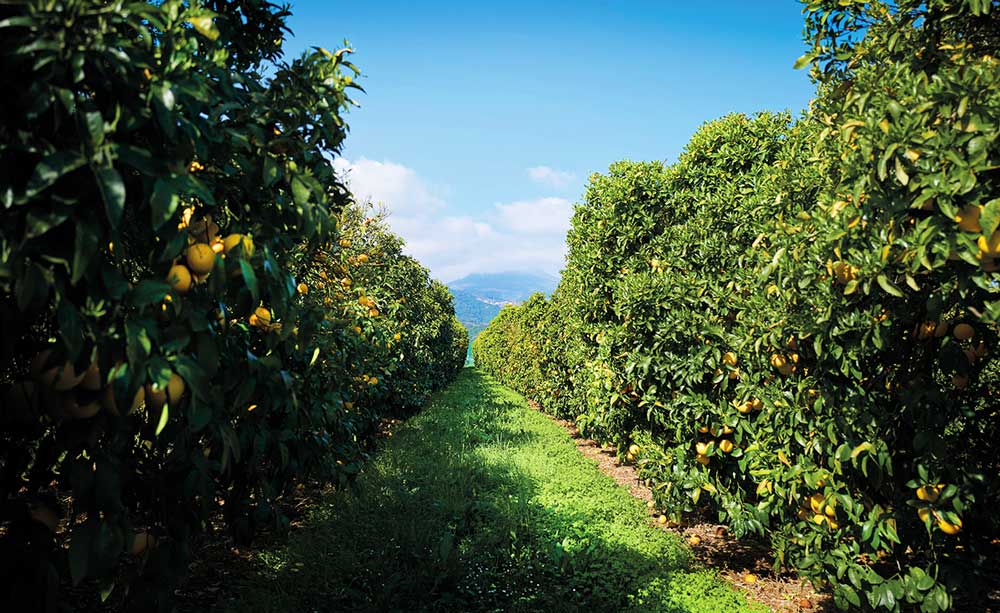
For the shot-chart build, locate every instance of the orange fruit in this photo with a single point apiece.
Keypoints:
(261, 317)
(179, 278)
(968, 218)
(963, 331)
(729, 358)
(991, 245)
(200, 259)
(929, 493)
(230, 242)
(949, 528)
(92, 378)
(175, 388)
(726, 445)
(156, 397)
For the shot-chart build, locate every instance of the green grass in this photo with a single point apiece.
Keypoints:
(477, 504)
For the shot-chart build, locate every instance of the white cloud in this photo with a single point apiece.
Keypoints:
(396, 185)
(525, 235)
(544, 215)
(547, 175)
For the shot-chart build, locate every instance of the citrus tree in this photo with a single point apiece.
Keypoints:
(793, 326)
(166, 176)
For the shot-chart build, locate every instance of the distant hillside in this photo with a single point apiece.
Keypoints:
(504, 287)
(479, 297)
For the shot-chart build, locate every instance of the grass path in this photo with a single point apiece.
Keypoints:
(478, 504)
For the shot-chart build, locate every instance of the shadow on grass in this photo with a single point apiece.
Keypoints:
(478, 505)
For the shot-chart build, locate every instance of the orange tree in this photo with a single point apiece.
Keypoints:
(793, 325)
(161, 365)
(391, 328)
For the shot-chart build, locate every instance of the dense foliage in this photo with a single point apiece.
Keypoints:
(193, 314)
(795, 324)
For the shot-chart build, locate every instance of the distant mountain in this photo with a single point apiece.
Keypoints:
(505, 287)
(480, 296)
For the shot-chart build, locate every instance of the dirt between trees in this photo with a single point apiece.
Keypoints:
(746, 562)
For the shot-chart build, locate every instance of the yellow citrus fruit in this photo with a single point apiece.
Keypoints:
(142, 541)
(92, 378)
(750, 578)
(302, 288)
(968, 218)
(726, 445)
(949, 528)
(179, 278)
(702, 459)
(695, 539)
(729, 358)
(662, 519)
(373, 381)
(778, 360)
(757, 404)
(230, 242)
(701, 448)
(923, 513)
(964, 332)
(363, 258)
(62, 378)
(200, 258)
(156, 397)
(844, 272)
(261, 317)
(703, 429)
(929, 493)
(175, 388)
(634, 449)
(745, 407)
(991, 245)
(816, 503)
(138, 400)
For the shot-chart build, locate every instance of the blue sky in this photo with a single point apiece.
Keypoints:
(482, 121)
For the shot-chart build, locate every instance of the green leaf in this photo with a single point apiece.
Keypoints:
(88, 236)
(164, 415)
(148, 292)
(989, 219)
(163, 203)
(250, 278)
(300, 191)
(205, 26)
(804, 60)
(70, 329)
(51, 168)
(901, 175)
(977, 144)
(888, 287)
(112, 189)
